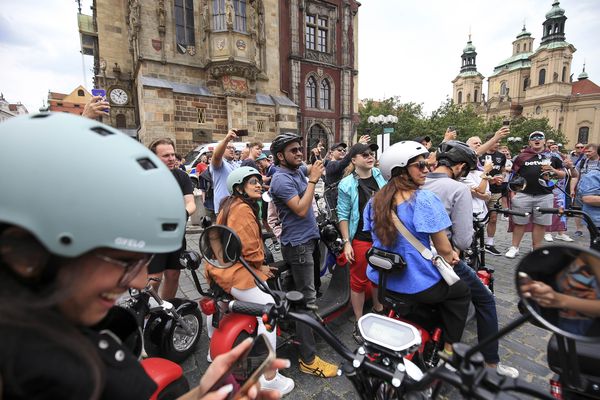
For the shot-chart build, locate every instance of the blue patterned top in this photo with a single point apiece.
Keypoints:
(422, 215)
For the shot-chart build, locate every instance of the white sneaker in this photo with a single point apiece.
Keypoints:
(512, 252)
(564, 237)
(548, 237)
(280, 382)
(505, 370)
(208, 357)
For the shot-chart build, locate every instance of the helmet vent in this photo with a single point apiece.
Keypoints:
(169, 227)
(102, 131)
(41, 115)
(146, 163)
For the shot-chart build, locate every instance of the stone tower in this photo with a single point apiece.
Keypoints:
(467, 85)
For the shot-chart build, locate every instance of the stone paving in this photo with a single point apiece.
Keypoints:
(524, 348)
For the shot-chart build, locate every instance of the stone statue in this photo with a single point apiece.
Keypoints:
(161, 15)
(229, 14)
(252, 13)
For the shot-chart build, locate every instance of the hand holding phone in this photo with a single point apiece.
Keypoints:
(241, 132)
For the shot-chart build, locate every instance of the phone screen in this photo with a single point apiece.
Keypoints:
(247, 369)
(99, 92)
(241, 132)
(505, 123)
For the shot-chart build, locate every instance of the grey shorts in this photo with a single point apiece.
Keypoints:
(523, 202)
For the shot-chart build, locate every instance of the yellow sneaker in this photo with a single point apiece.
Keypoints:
(319, 368)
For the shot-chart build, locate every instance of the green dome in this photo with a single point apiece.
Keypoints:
(555, 11)
(469, 48)
(523, 33)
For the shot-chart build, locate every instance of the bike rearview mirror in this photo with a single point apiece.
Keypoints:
(546, 179)
(266, 197)
(559, 286)
(220, 246)
(517, 184)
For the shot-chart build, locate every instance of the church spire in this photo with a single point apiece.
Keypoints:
(469, 56)
(554, 26)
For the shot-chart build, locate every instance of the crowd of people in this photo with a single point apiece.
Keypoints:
(68, 252)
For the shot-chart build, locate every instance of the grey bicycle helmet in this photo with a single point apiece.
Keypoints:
(454, 152)
(238, 175)
(398, 155)
(281, 141)
(100, 188)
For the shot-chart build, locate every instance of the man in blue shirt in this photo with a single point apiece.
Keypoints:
(293, 197)
(589, 190)
(221, 166)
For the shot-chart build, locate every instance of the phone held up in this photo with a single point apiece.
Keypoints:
(506, 122)
(102, 93)
(256, 360)
(241, 132)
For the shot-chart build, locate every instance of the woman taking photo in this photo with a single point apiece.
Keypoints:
(69, 248)
(239, 211)
(404, 165)
(361, 182)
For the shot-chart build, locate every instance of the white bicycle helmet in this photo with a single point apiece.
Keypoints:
(238, 175)
(398, 155)
(97, 187)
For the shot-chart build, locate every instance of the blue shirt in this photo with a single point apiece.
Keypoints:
(422, 215)
(219, 177)
(589, 185)
(285, 185)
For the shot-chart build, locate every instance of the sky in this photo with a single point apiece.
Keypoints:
(407, 48)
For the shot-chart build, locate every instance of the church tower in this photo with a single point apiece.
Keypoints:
(467, 85)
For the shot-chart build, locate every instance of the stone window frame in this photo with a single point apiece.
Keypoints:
(121, 121)
(459, 97)
(182, 20)
(319, 80)
(310, 92)
(542, 76)
(219, 23)
(240, 9)
(330, 13)
(503, 88)
(202, 115)
(260, 125)
(583, 134)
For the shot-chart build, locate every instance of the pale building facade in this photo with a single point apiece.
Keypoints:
(72, 103)
(538, 83)
(9, 110)
(191, 70)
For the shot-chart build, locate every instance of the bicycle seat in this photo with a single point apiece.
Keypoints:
(588, 357)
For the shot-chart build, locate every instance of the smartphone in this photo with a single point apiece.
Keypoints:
(506, 122)
(488, 158)
(256, 359)
(524, 279)
(241, 132)
(99, 92)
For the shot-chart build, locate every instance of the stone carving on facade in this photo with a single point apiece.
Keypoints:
(191, 50)
(229, 14)
(234, 86)
(133, 26)
(319, 56)
(249, 72)
(162, 16)
(252, 17)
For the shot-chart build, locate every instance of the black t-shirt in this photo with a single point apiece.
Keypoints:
(531, 170)
(499, 162)
(248, 162)
(184, 181)
(366, 189)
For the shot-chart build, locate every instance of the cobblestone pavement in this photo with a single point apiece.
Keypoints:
(524, 348)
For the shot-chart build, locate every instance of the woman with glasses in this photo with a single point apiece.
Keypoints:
(240, 212)
(69, 248)
(405, 167)
(361, 182)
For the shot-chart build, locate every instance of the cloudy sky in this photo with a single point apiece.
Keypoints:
(406, 48)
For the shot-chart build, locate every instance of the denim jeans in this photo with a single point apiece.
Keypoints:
(485, 310)
(300, 260)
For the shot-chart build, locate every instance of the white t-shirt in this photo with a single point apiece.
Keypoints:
(473, 180)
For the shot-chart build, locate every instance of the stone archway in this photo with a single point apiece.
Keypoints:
(315, 133)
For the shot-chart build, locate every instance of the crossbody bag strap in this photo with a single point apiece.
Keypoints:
(425, 252)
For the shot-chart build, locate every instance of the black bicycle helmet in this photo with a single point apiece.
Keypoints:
(281, 141)
(454, 152)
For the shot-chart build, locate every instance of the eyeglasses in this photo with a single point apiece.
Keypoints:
(341, 149)
(132, 268)
(255, 181)
(231, 148)
(295, 150)
(420, 164)
(579, 147)
(367, 154)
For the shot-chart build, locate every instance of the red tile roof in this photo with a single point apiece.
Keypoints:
(584, 86)
(56, 96)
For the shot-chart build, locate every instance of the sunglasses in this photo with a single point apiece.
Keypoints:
(367, 154)
(255, 181)
(536, 138)
(132, 267)
(420, 164)
(295, 150)
(341, 149)
(231, 148)
(579, 147)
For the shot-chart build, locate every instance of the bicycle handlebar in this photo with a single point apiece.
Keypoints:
(247, 308)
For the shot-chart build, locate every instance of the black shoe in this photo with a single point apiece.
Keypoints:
(356, 334)
(492, 250)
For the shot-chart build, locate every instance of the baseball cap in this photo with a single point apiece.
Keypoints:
(537, 135)
(360, 148)
(340, 144)
(262, 156)
(421, 139)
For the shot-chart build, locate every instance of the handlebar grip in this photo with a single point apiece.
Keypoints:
(518, 214)
(244, 307)
(548, 210)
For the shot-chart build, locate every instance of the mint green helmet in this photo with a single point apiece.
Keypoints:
(98, 187)
(237, 176)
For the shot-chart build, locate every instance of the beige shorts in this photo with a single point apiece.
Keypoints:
(492, 201)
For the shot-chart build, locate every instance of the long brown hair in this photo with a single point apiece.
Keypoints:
(384, 203)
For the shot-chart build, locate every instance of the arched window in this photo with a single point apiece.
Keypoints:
(503, 88)
(80, 93)
(525, 83)
(325, 95)
(584, 132)
(459, 97)
(518, 47)
(316, 134)
(475, 95)
(542, 77)
(468, 97)
(564, 74)
(184, 22)
(121, 121)
(311, 93)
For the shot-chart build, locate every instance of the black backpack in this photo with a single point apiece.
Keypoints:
(205, 183)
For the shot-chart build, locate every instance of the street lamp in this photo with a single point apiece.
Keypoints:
(383, 140)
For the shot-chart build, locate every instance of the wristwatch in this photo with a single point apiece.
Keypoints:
(344, 241)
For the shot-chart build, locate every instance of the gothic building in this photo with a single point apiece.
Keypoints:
(192, 69)
(536, 83)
